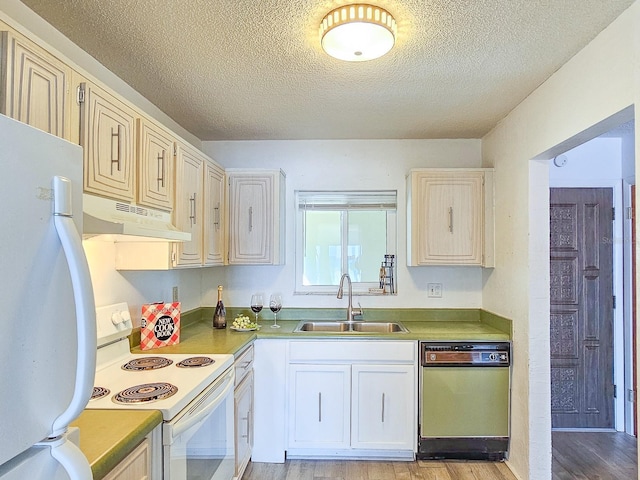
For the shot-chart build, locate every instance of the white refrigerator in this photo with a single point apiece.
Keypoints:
(47, 308)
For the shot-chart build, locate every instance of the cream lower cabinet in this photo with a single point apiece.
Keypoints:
(450, 217)
(144, 462)
(256, 217)
(136, 466)
(35, 85)
(352, 399)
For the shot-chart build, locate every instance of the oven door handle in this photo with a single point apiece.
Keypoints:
(186, 422)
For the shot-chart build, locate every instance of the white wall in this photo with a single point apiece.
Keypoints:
(136, 288)
(343, 165)
(580, 101)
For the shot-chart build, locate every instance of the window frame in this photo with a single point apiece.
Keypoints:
(359, 288)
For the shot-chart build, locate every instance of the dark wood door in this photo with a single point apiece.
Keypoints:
(581, 268)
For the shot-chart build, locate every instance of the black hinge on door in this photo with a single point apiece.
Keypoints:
(613, 213)
(615, 391)
(614, 301)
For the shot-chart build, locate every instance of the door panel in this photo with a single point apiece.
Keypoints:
(581, 274)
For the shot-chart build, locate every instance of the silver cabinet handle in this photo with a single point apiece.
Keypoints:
(161, 169)
(383, 408)
(319, 406)
(216, 216)
(192, 201)
(250, 219)
(118, 150)
(450, 219)
(247, 420)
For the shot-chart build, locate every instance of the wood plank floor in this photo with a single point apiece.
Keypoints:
(594, 456)
(375, 470)
(576, 456)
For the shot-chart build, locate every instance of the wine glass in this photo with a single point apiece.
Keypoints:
(256, 304)
(275, 304)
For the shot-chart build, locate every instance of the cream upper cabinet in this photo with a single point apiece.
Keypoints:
(199, 206)
(214, 202)
(108, 134)
(35, 85)
(155, 166)
(450, 217)
(189, 207)
(256, 217)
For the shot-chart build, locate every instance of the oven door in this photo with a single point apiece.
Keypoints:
(198, 442)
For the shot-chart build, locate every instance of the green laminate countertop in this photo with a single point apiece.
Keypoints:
(199, 336)
(108, 436)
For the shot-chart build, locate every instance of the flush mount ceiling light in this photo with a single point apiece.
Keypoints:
(357, 32)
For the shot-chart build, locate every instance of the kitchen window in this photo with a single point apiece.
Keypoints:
(341, 232)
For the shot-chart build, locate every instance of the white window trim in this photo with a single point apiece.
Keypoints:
(359, 288)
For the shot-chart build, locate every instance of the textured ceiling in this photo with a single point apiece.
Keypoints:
(254, 69)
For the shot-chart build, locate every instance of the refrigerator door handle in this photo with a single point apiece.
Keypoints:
(84, 304)
(69, 456)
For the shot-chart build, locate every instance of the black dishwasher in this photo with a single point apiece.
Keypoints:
(464, 394)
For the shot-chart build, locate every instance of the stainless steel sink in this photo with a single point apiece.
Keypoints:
(347, 327)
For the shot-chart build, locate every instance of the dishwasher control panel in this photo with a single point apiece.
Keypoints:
(465, 353)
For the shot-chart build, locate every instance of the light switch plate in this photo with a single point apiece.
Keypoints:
(434, 290)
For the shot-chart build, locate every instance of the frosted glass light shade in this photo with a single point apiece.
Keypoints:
(358, 32)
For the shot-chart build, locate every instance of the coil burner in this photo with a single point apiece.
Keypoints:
(99, 392)
(195, 362)
(146, 363)
(148, 392)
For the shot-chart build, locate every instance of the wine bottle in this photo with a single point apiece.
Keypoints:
(220, 314)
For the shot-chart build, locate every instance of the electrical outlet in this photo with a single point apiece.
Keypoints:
(175, 294)
(434, 290)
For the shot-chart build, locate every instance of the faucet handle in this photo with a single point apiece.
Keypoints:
(357, 311)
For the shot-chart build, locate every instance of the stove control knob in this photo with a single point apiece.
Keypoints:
(126, 316)
(116, 318)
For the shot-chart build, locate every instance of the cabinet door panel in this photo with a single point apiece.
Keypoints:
(108, 138)
(243, 423)
(256, 217)
(155, 166)
(213, 214)
(383, 406)
(250, 219)
(446, 217)
(452, 222)
(319, 406)
(188, 211)
(37, 86)
(136, 466)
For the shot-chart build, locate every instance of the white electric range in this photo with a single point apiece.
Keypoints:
(193, 392)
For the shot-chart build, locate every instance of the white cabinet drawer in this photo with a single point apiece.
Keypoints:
(243, 364)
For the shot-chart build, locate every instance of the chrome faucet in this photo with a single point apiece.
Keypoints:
(351, 311)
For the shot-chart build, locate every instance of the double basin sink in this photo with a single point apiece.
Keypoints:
(350, 327)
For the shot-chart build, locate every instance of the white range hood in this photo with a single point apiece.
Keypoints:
(123, 221)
